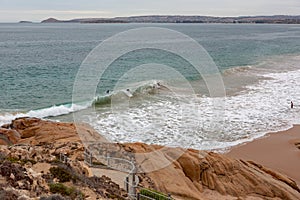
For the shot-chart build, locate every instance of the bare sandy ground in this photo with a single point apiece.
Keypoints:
(279, 151)
(116, 176)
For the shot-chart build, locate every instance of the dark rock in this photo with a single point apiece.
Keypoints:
(7, 194)
(6, 126)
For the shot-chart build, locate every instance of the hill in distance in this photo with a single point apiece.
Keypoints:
(276, 19)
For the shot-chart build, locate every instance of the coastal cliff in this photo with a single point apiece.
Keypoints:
(30, 168)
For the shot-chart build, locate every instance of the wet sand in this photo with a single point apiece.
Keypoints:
(277, 151)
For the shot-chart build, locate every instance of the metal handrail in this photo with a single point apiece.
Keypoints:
(131, 185)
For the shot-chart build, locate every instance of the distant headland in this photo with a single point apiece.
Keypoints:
(276, 19)
(24, 22)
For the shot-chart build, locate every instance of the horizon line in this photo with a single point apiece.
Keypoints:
(158, 15)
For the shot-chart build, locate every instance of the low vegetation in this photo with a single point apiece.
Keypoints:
(153, 194)
(61, 174)
(59, 188)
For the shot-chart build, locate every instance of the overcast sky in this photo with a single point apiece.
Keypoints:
(37, 10)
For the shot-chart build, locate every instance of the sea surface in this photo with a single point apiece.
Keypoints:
(259, 65)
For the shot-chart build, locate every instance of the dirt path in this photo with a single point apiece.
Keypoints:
(116, 176)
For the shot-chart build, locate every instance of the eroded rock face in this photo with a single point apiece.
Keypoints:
(36, 131)
(190, 173)
(9, 136)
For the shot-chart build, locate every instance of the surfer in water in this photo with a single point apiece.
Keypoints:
(292, 104)
(128, 93)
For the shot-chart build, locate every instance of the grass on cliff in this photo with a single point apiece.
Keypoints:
(61, 174)
(22, 162)
(59, 188)
(153, 194)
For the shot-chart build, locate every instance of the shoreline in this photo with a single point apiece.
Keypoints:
(277, 150)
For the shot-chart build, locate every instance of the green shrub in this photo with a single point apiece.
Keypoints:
(12, 159)
(61, 174)
(28, 160)
(22, 162)
(59, 188)
(153, 194)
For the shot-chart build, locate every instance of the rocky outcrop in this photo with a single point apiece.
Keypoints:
(190, 174)
(184, 173)
(8, 136)
(36, 131)
(25, 170)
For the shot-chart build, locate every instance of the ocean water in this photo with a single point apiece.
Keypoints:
(259, 65)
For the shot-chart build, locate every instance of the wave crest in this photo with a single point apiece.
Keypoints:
(235, 70)
(64, 109)
(148, 88)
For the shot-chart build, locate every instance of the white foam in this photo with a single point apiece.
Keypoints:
(261, 108)
(53, 111)
(6, 118)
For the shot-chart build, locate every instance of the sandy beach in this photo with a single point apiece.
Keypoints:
(277, 151)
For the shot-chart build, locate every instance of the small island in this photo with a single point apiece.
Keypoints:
(25, 22)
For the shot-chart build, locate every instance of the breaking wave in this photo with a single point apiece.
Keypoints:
(64, 109)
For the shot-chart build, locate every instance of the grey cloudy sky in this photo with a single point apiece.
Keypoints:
(36, 10)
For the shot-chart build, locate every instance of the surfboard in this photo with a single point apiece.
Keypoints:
(128, 93)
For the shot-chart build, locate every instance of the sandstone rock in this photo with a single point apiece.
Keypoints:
(12, 135)
(6, 126)
(36, 131)
(4, 140)
(191, 173)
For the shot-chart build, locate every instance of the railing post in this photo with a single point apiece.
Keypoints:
(127, 185)
(134, 188)
(133, 177)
